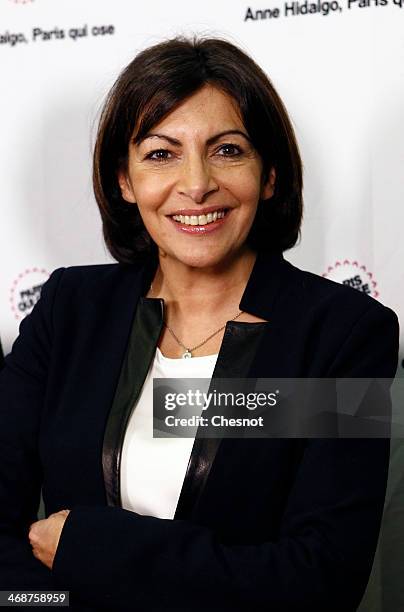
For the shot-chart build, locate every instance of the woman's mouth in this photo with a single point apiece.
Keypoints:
(200, 224)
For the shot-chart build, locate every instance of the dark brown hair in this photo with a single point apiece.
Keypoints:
(155, 83)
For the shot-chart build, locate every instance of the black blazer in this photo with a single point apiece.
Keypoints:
(261, 524)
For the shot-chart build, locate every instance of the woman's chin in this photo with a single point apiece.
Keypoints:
(200, 259)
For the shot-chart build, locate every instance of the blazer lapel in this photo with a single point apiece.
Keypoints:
(235, 357)
(139, 330)
(235, 360)
(146, 330)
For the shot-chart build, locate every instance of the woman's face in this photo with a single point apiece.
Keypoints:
(197, 180)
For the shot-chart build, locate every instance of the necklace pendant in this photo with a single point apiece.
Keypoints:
(187, 354)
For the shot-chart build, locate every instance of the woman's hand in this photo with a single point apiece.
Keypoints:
(44, 536)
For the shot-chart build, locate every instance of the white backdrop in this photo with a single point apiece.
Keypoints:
(341, 75)
(339, 66)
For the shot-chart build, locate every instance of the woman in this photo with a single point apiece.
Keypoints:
(198, 179)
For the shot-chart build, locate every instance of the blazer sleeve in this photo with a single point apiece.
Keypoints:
(22, 391)
(119, 559)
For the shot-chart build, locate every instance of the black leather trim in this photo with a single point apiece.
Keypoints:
(237, 351)
(146, 330)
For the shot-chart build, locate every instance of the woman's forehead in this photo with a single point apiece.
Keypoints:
(206, 111)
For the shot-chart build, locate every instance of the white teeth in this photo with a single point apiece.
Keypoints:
(199, 219)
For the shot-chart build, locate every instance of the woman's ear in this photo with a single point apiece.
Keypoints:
(126, 187)
(268, 188)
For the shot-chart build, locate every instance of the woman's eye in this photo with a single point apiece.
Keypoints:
(229, 150)
(159, 155)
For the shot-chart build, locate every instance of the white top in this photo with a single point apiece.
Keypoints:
(153, 469)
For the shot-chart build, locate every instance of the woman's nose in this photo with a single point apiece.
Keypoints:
(196, 180)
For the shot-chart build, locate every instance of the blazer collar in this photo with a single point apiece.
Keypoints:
(262, 288)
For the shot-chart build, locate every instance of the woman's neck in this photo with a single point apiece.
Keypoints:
(192, 290)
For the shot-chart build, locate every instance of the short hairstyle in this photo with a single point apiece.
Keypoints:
(155, 83)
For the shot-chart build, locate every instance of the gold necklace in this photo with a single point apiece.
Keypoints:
(188, 350)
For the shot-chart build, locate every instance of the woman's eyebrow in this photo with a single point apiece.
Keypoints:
(210, 141)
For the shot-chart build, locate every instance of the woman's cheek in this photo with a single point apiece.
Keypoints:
(153, 192)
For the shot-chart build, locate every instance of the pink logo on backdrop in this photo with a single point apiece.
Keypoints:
(353, 274)
(26, 291)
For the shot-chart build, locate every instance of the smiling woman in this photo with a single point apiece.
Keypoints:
(173, 78)
(201, 156)
(198, 179)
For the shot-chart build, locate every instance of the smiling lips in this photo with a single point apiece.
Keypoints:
(199, 219)
(197, 224)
